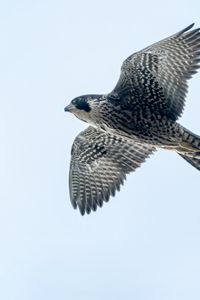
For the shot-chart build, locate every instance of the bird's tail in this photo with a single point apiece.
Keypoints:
(195, 162)
(190, 148)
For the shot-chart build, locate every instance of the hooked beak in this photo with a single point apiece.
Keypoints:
(69, 107)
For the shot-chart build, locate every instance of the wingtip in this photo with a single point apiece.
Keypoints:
(81, 210)
(189, 27)
(186, 29)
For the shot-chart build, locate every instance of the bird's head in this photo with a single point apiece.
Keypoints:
(84, 107)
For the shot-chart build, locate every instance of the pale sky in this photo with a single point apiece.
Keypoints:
(143, 244)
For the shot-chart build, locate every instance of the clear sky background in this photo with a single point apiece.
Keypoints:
(143, 244)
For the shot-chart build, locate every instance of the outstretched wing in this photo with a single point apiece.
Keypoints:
(99, 164)
(156, 77)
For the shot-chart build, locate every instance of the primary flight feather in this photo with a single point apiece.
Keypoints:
(137, 117)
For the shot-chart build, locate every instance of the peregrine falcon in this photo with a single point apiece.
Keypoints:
(137, 117)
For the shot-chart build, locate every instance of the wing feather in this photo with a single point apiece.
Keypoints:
(157, 75)
(99, 164)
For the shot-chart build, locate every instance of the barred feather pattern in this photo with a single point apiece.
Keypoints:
(137, 116)
(156, 77)
(99, 164)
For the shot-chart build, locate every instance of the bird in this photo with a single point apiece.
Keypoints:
(139, 116)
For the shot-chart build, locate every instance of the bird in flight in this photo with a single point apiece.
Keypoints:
(139, 116)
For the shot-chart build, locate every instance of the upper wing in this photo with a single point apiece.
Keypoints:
(99, 164)
(156, 76)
